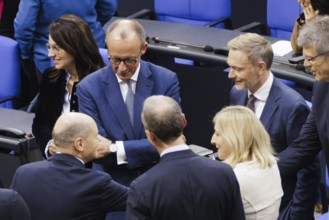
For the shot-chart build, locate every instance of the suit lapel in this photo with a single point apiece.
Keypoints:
(114, 97)
(271, 104)
(144, 89)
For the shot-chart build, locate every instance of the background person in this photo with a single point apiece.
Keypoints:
(62, 187)
(75, 53)
(282, 112)
(114, 96)
(183, 185)
(12, 206)
(243, 143)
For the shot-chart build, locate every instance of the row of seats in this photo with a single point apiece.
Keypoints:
(281, 15)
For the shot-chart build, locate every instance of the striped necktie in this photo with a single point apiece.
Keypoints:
(251, 102)
(130, 102)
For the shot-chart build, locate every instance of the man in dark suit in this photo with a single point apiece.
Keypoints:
(12, 206)
(61, 187)
(183, 185)
(105, 96)
(281, 110)
(314, 39)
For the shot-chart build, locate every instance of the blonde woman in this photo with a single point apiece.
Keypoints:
(243, 143)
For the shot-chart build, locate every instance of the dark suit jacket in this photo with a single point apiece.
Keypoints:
(62, 188)
(50, 106)
(12, 206)
(185, 186)
(283, 116)
(313, 135)
(100, 97)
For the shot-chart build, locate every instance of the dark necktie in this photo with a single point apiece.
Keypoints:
(130, 102)
(251, 102)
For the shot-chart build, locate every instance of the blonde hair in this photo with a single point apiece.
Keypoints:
(245, 135)
(254, 46)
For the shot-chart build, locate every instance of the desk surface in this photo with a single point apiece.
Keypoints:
(16, 119)
(217, 38)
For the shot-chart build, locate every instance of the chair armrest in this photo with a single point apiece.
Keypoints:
(254, 26)
(227, 22)
(7, 98)
(142, 14)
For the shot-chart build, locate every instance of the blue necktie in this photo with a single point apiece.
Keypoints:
(130, 102)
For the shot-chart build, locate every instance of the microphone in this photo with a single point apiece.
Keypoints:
(205, 48)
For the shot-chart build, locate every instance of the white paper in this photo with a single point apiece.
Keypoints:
(281, 48)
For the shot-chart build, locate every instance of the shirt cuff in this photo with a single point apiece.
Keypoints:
(121, 153)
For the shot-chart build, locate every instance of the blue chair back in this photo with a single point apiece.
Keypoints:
(195, 12)
(281, 17)
(10, 83)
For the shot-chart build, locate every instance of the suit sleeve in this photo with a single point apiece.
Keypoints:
(141, 153)
(25, 26)
(114, 196)
(40, 129)
(137, 208)
(304, 148)
(105, 10)
(88, 106)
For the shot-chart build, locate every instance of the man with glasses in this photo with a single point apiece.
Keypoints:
(314, 39)
(114, 95)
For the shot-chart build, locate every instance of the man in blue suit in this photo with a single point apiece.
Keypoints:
(106, 96)
(62, 187)
(282, 112)
(183, 185)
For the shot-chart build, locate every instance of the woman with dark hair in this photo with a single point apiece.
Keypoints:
(75, 54)
(311, 8)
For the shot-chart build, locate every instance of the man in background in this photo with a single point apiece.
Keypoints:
(62, 187)
(183, 185)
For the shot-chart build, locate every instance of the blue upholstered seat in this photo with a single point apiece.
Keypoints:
(10, 83)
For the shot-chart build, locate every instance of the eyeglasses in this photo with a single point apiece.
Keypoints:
(312, 59)
(55, 48)
(129, 62)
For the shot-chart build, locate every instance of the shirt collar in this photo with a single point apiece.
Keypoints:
(174, 149)
(263, 92)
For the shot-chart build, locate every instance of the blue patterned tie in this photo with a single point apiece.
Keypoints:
(130, 102)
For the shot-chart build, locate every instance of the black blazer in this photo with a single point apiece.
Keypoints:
(50, 106)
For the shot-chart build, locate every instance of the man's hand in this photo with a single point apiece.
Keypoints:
(102, 149)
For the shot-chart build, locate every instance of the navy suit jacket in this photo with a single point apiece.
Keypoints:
(283, 116)
(99, 96)
(313, 135)
(184, 186)
(62, 188)
(12, 206)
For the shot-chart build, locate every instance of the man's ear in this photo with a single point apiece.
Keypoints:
(78, 144)
(150, 136)
(262, 67)
(144, 48)
(184, 120)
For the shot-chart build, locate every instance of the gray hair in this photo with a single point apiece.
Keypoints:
(315, 34)
(127, 27)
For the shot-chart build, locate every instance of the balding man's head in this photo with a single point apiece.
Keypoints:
(124, 29)
(71, 125)
(163, 117)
